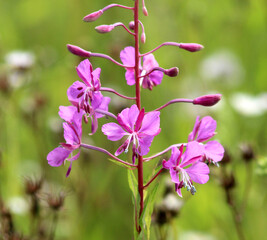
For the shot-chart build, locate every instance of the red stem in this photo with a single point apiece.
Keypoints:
(153, 178)
(138, 103)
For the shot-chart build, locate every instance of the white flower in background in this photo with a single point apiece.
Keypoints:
(18, 62)
(18, 205)
(20, 59)
(222, 66)
(249, 105)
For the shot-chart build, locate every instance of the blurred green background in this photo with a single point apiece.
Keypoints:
(98, 200)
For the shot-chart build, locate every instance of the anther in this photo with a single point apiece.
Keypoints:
(80, 94)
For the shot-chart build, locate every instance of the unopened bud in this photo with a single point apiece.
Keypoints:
(172, 72)
(143, 37)
(145, 11)
(192, 47)
(93, 16)
(207, 100)
(104, 28)
(78, 51)
(131, 25)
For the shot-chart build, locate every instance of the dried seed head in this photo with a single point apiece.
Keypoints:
(32, 186)
(247, 152)
(56, 202)
(229, 182)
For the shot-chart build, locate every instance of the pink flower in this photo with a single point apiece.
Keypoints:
(72, 135)
(203, 130)
(127, 56)
(184, 177)
(139, 127)
(86, 95)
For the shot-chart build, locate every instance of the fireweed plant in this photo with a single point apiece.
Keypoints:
(188, 163)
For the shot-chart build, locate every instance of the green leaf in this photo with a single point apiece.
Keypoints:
(116, 162)
(145, 219)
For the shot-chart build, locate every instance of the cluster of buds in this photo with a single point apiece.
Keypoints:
(137, 126)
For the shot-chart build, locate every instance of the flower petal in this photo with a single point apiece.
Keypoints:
(150, 124)
(74, 95)
(193, 134)
(127, 56)
(113, 131)
(129, 76)
(103, 106)
(127, 118)
(57, 156)
(214, 151)
(172, 162)
(193, 153)
(84, 71)
(198, 172)
(144, 145)
(96, 79)
(206, 129)
(67, 113)
(70, 134)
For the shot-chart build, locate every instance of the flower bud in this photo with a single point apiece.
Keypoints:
(143, 37)
(192, 47)
(131, 25)
(145, 11)
(172, 72)
(78, 51)
(207, 100)
(104, 28)
(93, 16)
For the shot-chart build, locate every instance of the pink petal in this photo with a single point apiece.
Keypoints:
(214, 151)
(194, 152)
(206, 129)
(73, 93)
(192, 135)
(96, 78)
(174, 176)
(103, 106)
(139, 119)
(127, 118)
(130, 77)
(84, 71)
(113, 131)
(173, 159)
(97, 99)
(132, 115)
(149, 62)
(127, 56)
(70, 134)
(67, 113)
(144, 144)
(198, 172)
(151, 123)
(57, 156)
(94, 124)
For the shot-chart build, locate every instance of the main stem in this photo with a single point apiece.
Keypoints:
(138, 103)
